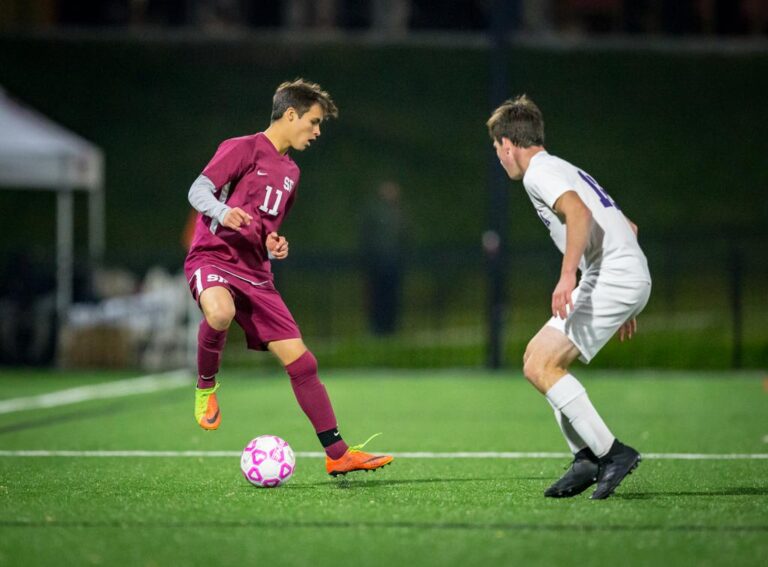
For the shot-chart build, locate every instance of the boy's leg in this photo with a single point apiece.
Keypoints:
(218, 310)
(301, 366)
(546, 362)
(210, 345)
(548, 356)
(310, 392)
(600, 308)
(575, 443)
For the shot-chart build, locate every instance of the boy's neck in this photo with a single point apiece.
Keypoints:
(276, 135)
(527, 155)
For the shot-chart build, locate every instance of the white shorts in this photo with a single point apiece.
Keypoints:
(600, 308)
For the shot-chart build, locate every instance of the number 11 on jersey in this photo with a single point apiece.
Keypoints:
(278, 198)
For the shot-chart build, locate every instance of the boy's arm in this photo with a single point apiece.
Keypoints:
(201, 198)
(578, 221)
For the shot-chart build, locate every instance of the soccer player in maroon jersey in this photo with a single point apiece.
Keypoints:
(243, 195)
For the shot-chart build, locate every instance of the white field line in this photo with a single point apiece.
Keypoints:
(119, 388)
(418, 455)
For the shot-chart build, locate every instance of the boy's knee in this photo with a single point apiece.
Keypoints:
(531, 366)
(532, 369)
(218, 307)
(541, 370)
(220, 316)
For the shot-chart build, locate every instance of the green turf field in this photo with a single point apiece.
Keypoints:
(172, 510)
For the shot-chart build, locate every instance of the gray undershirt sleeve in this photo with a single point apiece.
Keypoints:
(201, 198)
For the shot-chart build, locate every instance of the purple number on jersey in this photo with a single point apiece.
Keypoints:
(605, 199)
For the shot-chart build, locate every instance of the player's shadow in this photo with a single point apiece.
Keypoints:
(369, 483)
(344, 483)
(354, 484)
(732, 491)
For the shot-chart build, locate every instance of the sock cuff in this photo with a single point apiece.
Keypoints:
(551, 403)
(565, 390)
(329, 437)
(210, 337)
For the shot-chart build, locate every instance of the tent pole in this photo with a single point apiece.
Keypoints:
(64, 253)
(96, 235)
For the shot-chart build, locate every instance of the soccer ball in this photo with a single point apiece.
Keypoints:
(267, 461)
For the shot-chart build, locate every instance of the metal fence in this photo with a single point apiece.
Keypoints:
(708, 307)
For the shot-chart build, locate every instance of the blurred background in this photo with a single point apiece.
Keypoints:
(408, 248)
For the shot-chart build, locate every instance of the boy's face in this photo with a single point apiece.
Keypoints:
(505, 151)
(302, 130)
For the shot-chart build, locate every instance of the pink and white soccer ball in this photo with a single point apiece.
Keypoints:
(268, 461)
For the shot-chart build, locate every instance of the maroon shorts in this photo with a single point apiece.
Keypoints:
(259, 308)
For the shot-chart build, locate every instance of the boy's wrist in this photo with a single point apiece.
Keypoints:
(222, 214)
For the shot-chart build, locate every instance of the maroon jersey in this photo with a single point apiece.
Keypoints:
(251, 174)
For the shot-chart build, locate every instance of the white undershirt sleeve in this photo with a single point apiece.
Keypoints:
(201, 198)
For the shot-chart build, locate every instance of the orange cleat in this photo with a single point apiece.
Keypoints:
(207, 413)
(356, 460)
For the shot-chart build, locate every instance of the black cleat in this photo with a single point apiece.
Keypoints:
(620, 461)
(580, 475)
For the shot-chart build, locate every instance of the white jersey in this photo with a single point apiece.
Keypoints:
(612, 249)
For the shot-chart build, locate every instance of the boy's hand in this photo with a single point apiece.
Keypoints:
(277, 246)
(562, 298)
(235, 218)
(628, 329)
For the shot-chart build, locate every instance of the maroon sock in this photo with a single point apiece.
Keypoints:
(210, 343)
(314, 401)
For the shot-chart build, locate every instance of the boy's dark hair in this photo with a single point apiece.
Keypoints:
(519, 120)
(301, 95)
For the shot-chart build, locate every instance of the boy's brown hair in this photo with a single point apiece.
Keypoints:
(301, 95)
(519, 120)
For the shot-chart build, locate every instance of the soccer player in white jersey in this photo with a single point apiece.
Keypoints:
(595, 237)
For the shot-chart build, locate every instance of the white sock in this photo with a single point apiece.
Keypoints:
(575, 443)
(570, 397)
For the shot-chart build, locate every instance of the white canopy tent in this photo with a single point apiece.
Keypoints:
(38, 154)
